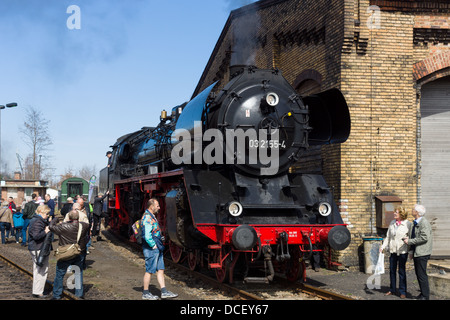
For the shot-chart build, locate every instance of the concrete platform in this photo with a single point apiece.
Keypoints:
(440, 280)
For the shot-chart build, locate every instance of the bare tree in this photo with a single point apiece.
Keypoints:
(35, 134)
(86, 172)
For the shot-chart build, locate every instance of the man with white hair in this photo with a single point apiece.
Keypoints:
(420, 241)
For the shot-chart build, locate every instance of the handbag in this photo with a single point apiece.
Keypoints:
(69, 251)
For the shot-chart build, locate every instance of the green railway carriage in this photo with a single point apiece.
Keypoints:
(72, 187)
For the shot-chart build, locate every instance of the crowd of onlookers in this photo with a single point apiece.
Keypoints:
(34, 224)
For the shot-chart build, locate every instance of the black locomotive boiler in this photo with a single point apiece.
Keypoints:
(219, 166)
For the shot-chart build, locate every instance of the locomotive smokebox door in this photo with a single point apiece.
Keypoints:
(385, 206)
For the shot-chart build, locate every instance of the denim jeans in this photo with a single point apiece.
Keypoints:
(18, 233)
(154, 260)
(75, 281)
(26, 222)
(400, 260)
(4, 226)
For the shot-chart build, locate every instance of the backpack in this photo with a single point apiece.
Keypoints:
(137, 231)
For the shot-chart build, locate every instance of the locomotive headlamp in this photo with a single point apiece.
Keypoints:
(272, 99)
(234, 208)
(324, 209)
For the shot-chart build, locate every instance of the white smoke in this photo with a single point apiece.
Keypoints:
(245, 36)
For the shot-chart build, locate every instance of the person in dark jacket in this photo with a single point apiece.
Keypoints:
(51, 204)
(68, 232)
(38, 229)
(67, 207)
(28, 212)
(98, 214)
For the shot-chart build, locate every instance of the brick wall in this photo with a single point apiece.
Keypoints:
(375, 69)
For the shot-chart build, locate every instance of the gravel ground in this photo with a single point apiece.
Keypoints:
(115, 270)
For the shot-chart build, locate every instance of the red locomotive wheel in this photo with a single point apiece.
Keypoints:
(175, 252)
(293, 265)
(222, 273)
(192, 259)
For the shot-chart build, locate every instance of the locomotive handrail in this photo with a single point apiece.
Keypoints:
(310, 246)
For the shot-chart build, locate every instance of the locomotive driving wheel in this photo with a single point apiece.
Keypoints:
(222, 257)
(175, 252)
(192, 259)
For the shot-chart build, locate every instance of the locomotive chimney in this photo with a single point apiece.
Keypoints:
(236, 70)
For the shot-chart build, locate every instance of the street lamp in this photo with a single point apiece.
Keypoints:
(8, 105)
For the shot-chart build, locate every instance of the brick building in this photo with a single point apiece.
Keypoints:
(391, 60)
(21, 190)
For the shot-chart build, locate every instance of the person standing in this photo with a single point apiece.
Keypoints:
(18, 222)
(153, 252)
(420, 240)
(28, 212)
(38, 229)
(398, 251)
(12, 207)
(67, 207)
(51, 204)
(68, 234)
(98, 214)
(6, 220)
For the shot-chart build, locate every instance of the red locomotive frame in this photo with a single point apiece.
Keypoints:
(223, 256)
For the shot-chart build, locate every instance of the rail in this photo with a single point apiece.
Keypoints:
(65, 295)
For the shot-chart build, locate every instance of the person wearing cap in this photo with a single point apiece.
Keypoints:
(109, 155)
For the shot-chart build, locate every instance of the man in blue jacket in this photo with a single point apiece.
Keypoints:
(153, 252)
(51, 204)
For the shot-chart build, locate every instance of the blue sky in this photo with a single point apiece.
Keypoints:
(129, 60)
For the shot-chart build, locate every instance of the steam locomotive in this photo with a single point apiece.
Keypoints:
(220, 167)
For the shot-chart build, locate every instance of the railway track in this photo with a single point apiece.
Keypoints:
(253, 291)
(16, 282)
(263, 292)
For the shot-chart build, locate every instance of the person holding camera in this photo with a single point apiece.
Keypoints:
(153, 252)
(71, 232)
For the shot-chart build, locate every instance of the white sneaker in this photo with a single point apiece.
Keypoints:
(168, 295)
(149, 296)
